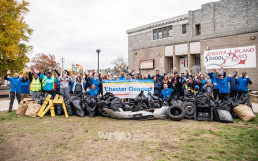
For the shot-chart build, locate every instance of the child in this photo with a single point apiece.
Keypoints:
(208, 88)
(196, 90)
(187, 88)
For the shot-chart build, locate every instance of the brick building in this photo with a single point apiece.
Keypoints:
(180, 42)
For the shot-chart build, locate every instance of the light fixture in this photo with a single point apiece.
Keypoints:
(135, 53)
(158, 54)
(252, 38)
(208, 48)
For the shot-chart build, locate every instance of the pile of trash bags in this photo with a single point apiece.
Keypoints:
(200, 107)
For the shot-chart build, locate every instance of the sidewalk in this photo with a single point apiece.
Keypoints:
(4, 105)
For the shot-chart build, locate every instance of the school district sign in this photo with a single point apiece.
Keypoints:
(240, 57)
(128, 88)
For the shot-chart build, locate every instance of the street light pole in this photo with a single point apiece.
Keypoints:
(62, 63)
(98, 51)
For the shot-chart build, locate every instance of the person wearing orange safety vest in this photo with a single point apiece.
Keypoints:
(35, 87)
(48, 83)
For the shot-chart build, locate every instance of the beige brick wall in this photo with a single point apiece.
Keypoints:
(150, 53)
(231, 42)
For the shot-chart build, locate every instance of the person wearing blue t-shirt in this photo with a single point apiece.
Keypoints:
(166, 92)
(92, 91)
(223, 86)
(15, 89)
(243, 82)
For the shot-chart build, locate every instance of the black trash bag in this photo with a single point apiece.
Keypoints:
(233, 102)
(101, 112)
(128, 106)
(116, 103)
(224, 105)
(91, 106)
(202, 100)
(141, 98)
(77, 106)
(154, 101)
(176, 102)
(43, 97)
(167, 101)
(245, 99)
(68, 107)
(189, 98)
(59, 109)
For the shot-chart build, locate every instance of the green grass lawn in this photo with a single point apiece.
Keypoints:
(99, 138)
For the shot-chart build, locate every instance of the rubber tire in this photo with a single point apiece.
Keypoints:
(176, 117)
(190, 109)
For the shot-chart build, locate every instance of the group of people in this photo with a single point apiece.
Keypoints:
(217, 85)
(38, 83)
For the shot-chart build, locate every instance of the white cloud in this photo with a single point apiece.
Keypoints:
(74, 29)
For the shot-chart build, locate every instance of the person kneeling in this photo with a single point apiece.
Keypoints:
(92, 91)
(166, 92)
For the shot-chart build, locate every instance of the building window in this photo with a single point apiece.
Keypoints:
(165, 32)
(170, 33)
(184, 31)
(198, 29)
(162, 32)
(155, 34)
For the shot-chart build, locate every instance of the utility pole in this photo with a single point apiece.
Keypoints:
(62, 63)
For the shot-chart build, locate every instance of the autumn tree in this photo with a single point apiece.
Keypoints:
(44, 62)
(120, 65)
(14, 35)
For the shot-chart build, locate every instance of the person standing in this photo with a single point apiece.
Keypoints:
(79, 85)
(223, 86)
(157, 87)
(15, 89)
(159, 77)
(25, 87)
(64, 84)
(233, 85)
(48, 83)
(243, 82)
(35, 86)
(213, 78)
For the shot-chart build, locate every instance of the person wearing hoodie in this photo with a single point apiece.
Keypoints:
(15, 89)
(48, 83)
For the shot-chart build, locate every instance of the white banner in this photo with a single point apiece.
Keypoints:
(240, 57)
(128, 88)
